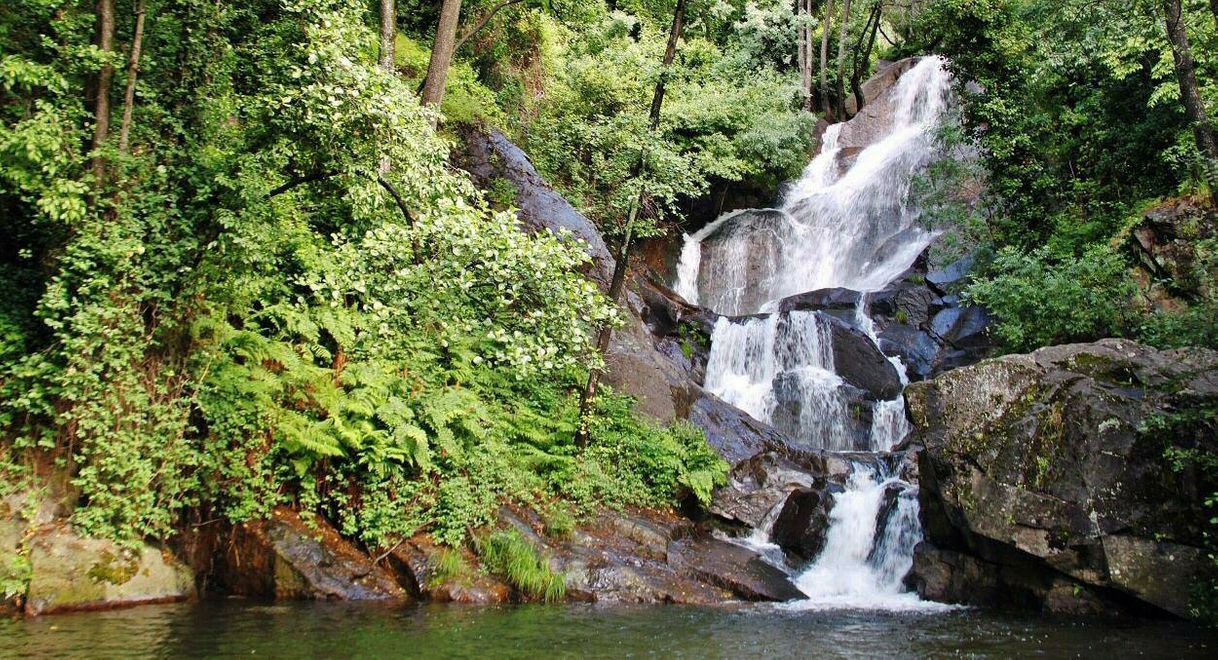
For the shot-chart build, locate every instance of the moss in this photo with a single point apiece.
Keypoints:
(115, 569)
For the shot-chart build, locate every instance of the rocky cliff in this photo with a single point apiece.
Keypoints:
(1071, 479)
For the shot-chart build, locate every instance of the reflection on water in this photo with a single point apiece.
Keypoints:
(344, 630)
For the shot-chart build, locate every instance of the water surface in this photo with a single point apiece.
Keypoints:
(326, 630)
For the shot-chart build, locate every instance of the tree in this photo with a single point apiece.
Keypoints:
(133, 70)
(862, 54)
(805, 54)
(1190, 95)
(101, 110)
(441, 53)
(843, 31)
(389, 33)
(826, 26)
(622, 258)
(486, 18)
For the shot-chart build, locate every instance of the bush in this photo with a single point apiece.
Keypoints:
(1042, 299)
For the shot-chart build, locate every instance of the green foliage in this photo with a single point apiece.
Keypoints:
(1041, 298)
(508, 555)
(239, 315)
(449, 566)
(725, 118)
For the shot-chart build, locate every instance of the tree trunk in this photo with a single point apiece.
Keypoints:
(805, 49)
(843, 31)
(1190, 96)
(133, 72)
(389, 33)
(826, 27)
(622, 258)
(101, 112)
(862, 55)
(441, 53)
(388, 52)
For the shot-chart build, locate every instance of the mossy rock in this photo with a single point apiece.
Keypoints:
(1046, 459)
(71, 572)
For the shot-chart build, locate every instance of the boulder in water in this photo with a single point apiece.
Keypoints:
(69, 572)
(735, 568)
(1055, 463)
(859, 362)
(803, 522)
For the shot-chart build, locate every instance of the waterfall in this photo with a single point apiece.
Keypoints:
(847, 222)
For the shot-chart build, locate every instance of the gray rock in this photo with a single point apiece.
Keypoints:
(803, 522)
(734, 568)
(490, 156)
(70, 572)
(859, 362)
(1050, 456)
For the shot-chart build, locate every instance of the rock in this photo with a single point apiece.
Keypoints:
(837, 302)
(906, 303)
(857, 360)
(1165, 244)
(919, 352)
(1053, 457)
(70, 572)
(963, 327)
(731, 432)
(750, 241)
(884, 78)
(803, 522)
(416, 562)
(952, 274)
(622, 557)
(490, 157)
(758, 485)
(953, 577)
(285, 558)
(875, 119)
(734, 568)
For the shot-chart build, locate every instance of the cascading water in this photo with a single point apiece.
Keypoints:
(848, 222)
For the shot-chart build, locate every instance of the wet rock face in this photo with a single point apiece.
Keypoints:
(284, 558)
(857, 360)
(1054, 463)
(803, 522)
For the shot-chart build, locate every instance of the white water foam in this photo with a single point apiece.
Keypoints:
(848, 222)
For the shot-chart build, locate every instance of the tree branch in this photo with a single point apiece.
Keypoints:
(483, 21)
(300, 180)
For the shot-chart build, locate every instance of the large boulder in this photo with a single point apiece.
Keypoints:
(734, 567)
(803, 522)
(419, 564)
(1058, 463)
(285, 557)
(70, 572)
(491, 158)
(857, 360)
